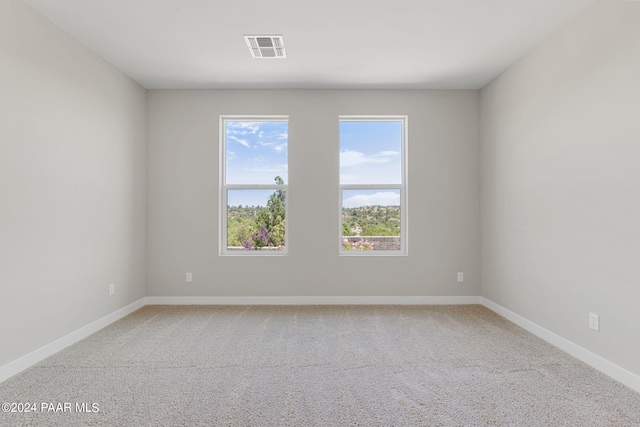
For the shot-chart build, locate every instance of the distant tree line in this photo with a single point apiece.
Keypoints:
(245, 223)
(371, 221)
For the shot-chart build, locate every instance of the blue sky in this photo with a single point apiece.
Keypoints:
(256, 152)
(248, 197)
(370, 153)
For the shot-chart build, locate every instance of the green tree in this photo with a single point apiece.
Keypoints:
(378, 230)
(242, 232)
(346, 230)
(273, 217)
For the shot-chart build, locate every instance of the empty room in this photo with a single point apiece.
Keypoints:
(294, 213)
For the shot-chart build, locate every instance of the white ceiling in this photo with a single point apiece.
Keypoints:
(418, 44)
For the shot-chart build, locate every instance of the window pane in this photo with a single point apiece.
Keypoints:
(371, 152)
(371, 220)
(256, 151)
(256, 219)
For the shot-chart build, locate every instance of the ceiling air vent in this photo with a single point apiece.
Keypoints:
(266, 46)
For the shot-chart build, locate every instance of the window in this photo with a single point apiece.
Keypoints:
(254, 178)
(373, 187)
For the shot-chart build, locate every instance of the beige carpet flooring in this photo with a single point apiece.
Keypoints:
(318, 366)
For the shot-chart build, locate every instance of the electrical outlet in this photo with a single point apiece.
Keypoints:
(189, 277)
(460, 277)
(594, 322)
(112, 289)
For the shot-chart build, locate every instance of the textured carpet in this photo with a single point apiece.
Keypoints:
(317, 366)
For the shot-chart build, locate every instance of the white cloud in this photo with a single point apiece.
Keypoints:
(386, 154)
(380, 198)
(242, 128)
(266, 169)
(383, 167)
(278, 147)
(239, 141)
(355, 158)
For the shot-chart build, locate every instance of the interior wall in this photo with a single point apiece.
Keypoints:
(183, 191)
(560, 143)
(72, 184)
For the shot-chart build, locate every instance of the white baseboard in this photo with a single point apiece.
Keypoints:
(316, 300)
(18, 365)
(614, 371)
(608, 368)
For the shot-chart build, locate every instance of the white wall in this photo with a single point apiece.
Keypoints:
(560, 192)
(559, 132)
(72, 184)
(184, 183)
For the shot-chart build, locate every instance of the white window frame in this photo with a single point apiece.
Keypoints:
(403, 187)
(224, 188)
